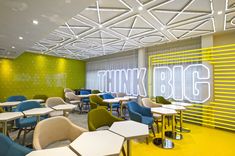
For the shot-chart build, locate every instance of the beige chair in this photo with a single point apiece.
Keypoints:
(54, 101)
(74, 99)
(121, 94)
(68, 90)
(147, 102)
(52, 130)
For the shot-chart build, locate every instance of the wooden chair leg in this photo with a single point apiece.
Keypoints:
(123, 151)
(19, 133)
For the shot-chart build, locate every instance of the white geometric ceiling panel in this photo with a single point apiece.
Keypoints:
(144, 1)
(175, 11)
(105, 10)
(111, 26)
(230, 15)
(101, 37)
(151, 39)
(132, 26)
(230, 20)
(230, 4)
(74, 27)
(197, 28)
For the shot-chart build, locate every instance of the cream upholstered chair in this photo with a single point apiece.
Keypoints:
(54, 101)
(55, 129)
(120, 94)
(68, 90)
(147, 102)
(74, 99)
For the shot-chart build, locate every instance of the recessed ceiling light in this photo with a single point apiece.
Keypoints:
(35, 22)
(21, 38)
(61, 43)
(219, 12)
(13, 47)
(100, 26)
(76, 36)
(140, 8)
(127, 38)
(162, 28)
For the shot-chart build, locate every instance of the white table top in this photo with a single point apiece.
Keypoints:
(37, 100)
(131, 97)
(37, 111)
(63, 151)
(182, 104)
(130, 129)
(122, 98)
(64, 107)
(98, 143)
(175, 107)
(10, 104)
(74, 101)
(7, 116)
(83, 96)
(163, 111)
(111, 100)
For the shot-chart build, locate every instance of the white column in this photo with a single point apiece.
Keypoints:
(207, 41)
(141, 57)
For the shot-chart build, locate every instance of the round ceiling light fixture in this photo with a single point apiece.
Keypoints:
(140, 8)
(35, 22)
(151, 39)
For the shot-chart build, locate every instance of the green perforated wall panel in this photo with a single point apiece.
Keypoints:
(32, 74)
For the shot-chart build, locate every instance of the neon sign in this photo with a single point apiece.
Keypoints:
(190, 82)
(129, 81)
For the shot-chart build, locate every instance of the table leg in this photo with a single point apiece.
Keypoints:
(121, 113)
(173, 134)
(38, 118)
(111, 108)
(128, 147)
(163, 142)
(181, 128)
(4, 128)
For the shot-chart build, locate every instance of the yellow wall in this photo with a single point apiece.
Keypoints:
(32, 74)
(224, 38)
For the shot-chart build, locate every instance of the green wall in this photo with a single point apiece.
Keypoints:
(33, 74)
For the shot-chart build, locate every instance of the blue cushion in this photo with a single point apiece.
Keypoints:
(16, 98)
(10, 148)
(115, 105)
(85, 100)
(147, 120)
(26, 122)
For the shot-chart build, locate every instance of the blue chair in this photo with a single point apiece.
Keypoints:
(86, 100)
(114, 105)
(141, 114)
(26, 122)
(13, 99)
(10, 148)
(16, 98)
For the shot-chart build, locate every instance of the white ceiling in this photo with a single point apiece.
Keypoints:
(16, 19)
(110, 26)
